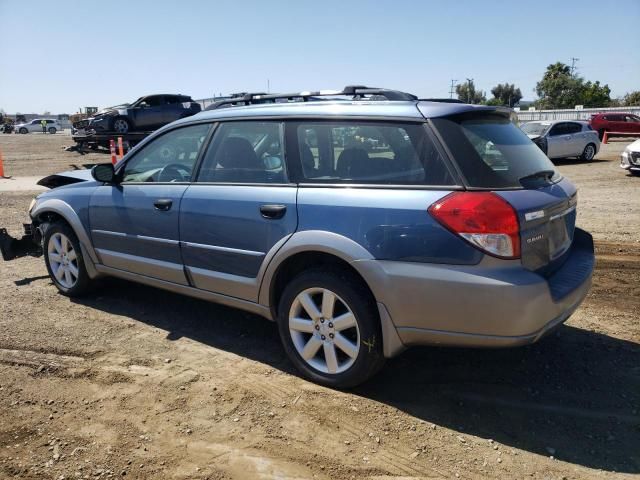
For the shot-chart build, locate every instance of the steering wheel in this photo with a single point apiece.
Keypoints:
(173, 172)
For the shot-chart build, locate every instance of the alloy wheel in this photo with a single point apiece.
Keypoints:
(589, 152)
(324, 330)
(63, 260)
(121, 126)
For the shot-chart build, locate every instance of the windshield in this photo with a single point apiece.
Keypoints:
(491, 151)
(535, 128)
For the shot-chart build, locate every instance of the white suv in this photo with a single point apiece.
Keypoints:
(35, 126)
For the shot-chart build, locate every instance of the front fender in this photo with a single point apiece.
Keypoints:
(63, 209)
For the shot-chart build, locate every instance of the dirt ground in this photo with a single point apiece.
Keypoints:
(137, 383)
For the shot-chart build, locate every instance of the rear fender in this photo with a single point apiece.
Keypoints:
(311, 241)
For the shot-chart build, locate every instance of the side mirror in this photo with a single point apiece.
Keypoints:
(104, 172)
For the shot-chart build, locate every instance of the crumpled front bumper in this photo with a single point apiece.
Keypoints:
(29, 245)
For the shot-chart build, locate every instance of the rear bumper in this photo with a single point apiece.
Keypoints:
(488, 305)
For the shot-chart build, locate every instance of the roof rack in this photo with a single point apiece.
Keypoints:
(357, 92)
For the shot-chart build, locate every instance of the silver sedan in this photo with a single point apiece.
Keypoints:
(562, 138)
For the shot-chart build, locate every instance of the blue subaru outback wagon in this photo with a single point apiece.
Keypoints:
(362, 226)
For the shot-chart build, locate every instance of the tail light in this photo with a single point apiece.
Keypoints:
(484, 219)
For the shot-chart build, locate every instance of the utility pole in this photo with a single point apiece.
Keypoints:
(573, 65)
(469, 81)
(453, 85)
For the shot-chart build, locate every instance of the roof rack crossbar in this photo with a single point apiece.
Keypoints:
(355, 91)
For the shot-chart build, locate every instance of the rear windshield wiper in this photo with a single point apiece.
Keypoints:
(541, 175)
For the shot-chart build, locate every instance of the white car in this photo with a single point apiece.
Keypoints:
(563, 138)
(630, 158)
(35, 126)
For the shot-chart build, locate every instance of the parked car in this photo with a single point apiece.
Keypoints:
(562, 139)
(615, 122)
(35, 126)
(630, 158)
(456, 231)
(146, 113)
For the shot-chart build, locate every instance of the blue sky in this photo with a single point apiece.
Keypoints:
(59, 55)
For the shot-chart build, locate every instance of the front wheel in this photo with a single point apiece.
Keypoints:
(330, 329)
(52, 130)
(588, 153)
(64, 261)
(23, 130)
(121, 125)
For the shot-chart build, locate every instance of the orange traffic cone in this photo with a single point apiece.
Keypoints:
(2, 168)
(120, 149)
(112, 147)
(605, 137)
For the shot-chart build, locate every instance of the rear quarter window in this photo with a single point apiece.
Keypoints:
(491, 151)
(358, 152)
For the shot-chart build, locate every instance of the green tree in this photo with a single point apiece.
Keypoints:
(594, 95)
(505, 94)
(560, 89)
(632, 99)
(467, 93)
(494, 102)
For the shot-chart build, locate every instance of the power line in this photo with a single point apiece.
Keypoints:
(453, 85)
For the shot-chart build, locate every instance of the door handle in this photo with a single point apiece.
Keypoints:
(273, 211)
(163, 204)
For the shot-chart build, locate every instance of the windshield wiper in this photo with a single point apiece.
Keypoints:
(542, 174)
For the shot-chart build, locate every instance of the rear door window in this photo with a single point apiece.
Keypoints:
(358, 152)
(491, 151)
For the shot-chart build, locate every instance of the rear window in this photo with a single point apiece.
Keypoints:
(491, 151)
(357, 152)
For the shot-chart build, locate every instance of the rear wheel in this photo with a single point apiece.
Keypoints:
(64, 261)
(330, 328)
(588, 153)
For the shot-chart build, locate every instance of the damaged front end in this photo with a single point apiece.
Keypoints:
(29, 245)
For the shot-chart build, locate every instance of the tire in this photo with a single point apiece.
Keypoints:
(52, 130)
(23, 131)
(635, 173)
(588, 153)
(363, 339)
(120, 125)
(73, 280)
